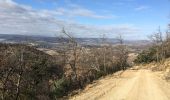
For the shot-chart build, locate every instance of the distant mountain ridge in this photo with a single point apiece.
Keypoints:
(23, 38)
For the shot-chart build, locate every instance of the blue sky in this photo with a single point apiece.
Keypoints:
(134, 19)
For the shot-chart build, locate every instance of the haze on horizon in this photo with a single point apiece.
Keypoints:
(135, 19)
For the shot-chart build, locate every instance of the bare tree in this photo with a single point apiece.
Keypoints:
(75, 49)
(104, 51)
(122, 53)
(13, 68)
(157, 39)
(166, 43)
(20, 72)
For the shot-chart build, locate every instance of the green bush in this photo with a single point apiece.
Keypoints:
(146, 56)
(60, 87)
(100, 74)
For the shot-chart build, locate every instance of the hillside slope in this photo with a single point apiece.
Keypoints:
(25, 73)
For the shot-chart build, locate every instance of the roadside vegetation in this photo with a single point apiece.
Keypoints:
(157, 56)
(160, 49)
(30, 74)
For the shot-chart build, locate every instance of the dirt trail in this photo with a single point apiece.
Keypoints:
(131, 85)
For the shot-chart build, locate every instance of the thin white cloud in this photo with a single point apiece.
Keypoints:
(21, 19)
(141, 8)
(75, 11)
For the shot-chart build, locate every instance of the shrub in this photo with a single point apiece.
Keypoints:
(146, 56)
(59, 87)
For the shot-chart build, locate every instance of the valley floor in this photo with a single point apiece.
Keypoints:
(139, 84)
